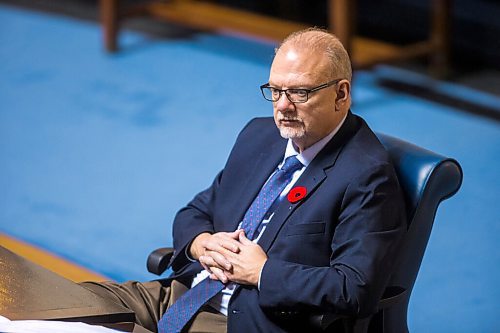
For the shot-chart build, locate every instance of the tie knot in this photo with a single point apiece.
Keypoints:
(291, 165)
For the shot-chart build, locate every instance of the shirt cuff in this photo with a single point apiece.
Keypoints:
(260, 276)
(186, 252)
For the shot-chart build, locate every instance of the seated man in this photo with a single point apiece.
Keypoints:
(305, 217)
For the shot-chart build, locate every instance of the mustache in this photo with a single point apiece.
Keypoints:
(288, 118)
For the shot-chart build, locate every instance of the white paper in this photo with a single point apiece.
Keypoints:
(42, 326)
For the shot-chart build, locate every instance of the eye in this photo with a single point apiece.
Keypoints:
(298, 92)
(275, 92)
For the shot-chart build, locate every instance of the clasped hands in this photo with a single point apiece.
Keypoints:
(229, 257)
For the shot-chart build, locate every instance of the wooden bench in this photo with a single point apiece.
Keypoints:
(207, 15)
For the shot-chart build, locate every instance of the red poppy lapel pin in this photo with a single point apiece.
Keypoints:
(296, 194)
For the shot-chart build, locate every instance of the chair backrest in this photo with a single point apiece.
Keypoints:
(427, 179)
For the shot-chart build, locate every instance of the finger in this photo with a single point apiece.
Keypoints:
(244, 240)
(221, 242)
(219, 275)
(213, 259)
(233, 278)
(218, 260)
(204, 261)
(230, 241)
(204, 265)
(208, 263)
(232, 246)
(235, 234)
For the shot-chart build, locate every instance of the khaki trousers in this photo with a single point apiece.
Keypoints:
(150, 300)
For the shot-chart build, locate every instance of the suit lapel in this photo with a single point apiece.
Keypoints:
(312, 177)
(263, 166)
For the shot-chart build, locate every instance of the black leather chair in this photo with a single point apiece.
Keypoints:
(427, 179)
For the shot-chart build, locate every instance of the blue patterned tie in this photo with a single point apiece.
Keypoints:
(181, 312)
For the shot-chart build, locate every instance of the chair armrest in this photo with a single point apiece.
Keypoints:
(159, 259)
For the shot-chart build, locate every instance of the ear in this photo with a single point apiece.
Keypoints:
(343, 95)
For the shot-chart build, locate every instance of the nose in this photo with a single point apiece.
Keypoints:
(283, 104)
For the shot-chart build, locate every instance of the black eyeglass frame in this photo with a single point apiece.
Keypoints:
(307, 91)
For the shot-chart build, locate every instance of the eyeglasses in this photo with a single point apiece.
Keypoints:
(294, 95)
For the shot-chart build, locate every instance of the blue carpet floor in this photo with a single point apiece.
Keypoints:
(97, 152)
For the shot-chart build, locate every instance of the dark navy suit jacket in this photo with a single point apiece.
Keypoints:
(331, 251)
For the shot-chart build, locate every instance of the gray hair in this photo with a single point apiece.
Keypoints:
(320, 40)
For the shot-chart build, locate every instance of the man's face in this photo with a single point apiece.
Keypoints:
(304, 123)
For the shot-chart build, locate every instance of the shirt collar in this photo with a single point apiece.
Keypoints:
(310, 153)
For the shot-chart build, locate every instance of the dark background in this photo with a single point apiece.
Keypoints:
(475, 23)
(475, 39)
(475, 29)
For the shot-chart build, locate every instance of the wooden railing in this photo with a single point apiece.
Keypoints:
(341, 15)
